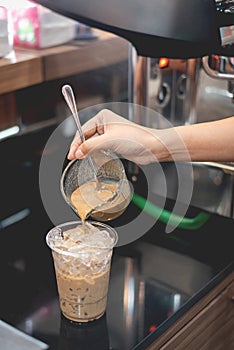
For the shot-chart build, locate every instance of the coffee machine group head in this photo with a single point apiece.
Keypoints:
(156, 28)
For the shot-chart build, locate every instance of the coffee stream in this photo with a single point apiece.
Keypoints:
(87, 197)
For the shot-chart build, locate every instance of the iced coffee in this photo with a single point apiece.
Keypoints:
(102, 200)
(82, 259)
(87, 197)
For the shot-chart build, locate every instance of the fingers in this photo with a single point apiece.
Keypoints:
(99, 124)
(74, 146)
(89, 129)
(93, 144)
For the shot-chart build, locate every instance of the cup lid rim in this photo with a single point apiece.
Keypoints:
(79, 222)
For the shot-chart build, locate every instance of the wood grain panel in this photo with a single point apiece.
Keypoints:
(27, 67)
(8, 114)
(205, 326)
(22, 70)
(178, 327)
(78, 58)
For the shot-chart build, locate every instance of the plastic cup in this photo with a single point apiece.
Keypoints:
(82, 265)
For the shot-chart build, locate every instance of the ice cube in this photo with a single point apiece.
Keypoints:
(91, 229)
(75, 248)
(99, 239)
(73, 234)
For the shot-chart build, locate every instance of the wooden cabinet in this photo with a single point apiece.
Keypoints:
(208, 325)
(8, 115)
(28, 67)
(31, 80)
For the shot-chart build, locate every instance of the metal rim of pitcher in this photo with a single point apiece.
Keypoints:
(66, 169)
(62, 186)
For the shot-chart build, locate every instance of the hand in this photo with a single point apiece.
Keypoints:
(108, 130)
(207, 141)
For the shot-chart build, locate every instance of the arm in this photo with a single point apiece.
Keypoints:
(210, 141)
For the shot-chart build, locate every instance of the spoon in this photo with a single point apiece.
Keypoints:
(70, 99)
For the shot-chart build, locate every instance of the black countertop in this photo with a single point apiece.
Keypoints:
(154, 280)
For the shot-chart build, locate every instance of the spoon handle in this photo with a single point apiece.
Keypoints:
(70, 99)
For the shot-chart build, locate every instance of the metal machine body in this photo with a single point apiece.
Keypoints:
(197, 84)
(186, 91)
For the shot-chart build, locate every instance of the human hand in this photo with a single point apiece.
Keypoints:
(108, 130)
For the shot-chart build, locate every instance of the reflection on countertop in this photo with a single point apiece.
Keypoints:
(152, 281)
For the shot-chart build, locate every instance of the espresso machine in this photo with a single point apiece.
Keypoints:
(181, 64)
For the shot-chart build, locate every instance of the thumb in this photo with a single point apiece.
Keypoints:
(92, 144)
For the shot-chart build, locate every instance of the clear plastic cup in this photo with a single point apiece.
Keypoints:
(82, 261)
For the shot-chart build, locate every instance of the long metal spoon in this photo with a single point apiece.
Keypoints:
(70, 99)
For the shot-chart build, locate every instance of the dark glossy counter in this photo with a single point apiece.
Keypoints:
(154, 280)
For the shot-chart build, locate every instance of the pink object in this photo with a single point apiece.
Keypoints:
(3, 13)
(26, 24)
(37, 27)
